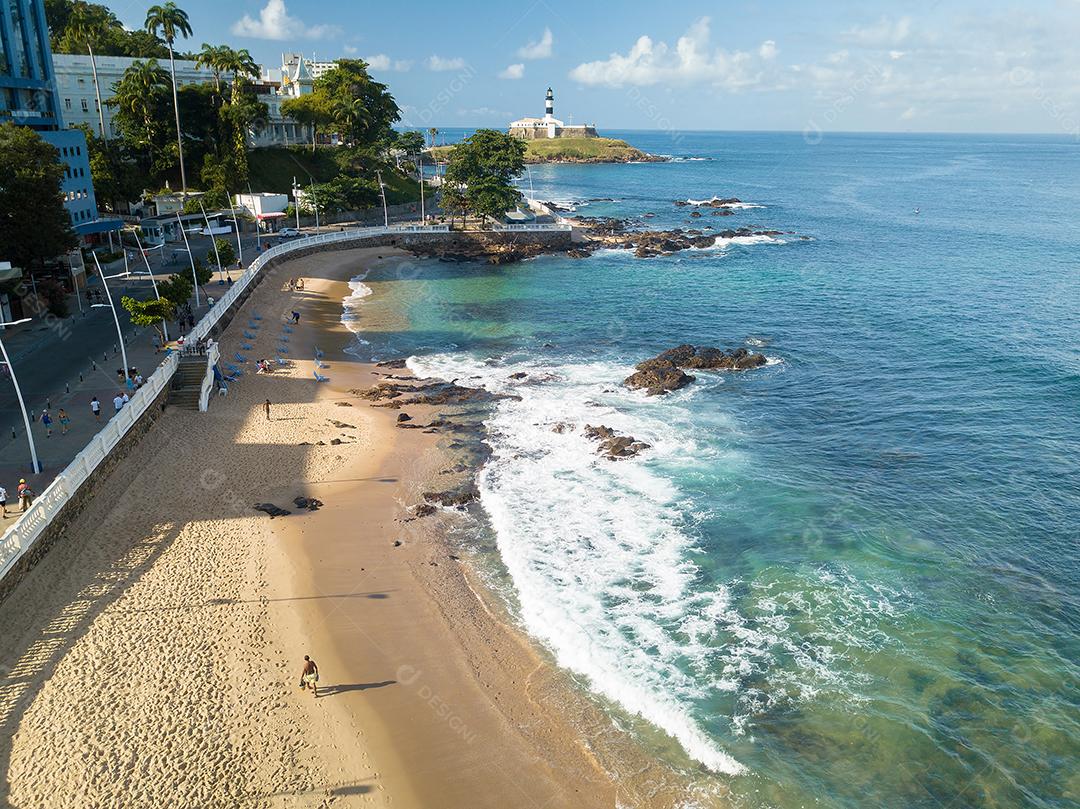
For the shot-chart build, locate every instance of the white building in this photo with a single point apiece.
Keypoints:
(75, 85)
(275, 86)
(75, 88)
(317, 69)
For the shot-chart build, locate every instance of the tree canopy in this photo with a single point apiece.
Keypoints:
(71, 21)
(359, 107)
(481, 172)
(34, 225)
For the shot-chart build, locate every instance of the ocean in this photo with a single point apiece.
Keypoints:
(846, 579)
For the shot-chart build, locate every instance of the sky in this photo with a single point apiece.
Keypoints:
(921, 65)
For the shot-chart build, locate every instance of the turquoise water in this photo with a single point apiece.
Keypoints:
(849, 578)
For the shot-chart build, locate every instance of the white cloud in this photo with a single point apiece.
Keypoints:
(692, 60)
(894, 55)
(540, 49)
(882, 34)
(350, 49)
(439, 63)
(380, 61)
(275, 23)
(513, 71)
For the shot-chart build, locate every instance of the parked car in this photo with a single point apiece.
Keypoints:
(289, 232)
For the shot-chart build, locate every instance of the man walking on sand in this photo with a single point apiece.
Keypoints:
(266, 407)
(309, 677)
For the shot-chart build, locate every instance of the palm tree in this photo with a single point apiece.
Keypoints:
(212, 56)
(433, 132)
(171, 21)
(89, 25)
(241, 64)
(353, 113)
(137, 95)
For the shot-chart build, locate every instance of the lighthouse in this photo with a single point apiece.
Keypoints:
(549, 126)
(549, 105)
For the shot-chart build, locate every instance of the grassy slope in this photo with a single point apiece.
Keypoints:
(273, 170)
(570, 150)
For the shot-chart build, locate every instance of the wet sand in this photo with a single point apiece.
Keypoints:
(154, 657)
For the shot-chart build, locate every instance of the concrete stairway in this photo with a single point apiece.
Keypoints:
(187, 383)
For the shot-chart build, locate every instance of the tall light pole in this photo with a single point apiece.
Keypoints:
(420, 174)
(116, 318)
(382, 193)
(296, 201)
(213, 238)
(236, 224)
(18, 395)
(153, 283)
(191, 257)
(315, 204)
(258, 230)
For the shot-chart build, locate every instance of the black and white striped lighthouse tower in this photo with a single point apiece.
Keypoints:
(549, 105)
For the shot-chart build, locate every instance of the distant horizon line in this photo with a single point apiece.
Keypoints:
(669, 130)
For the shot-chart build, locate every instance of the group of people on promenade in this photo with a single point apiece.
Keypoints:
(46, 420)
(24, 493)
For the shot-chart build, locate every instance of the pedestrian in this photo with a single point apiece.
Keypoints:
(95, 407)
(295, 317)
(118, 402)
(3, 501)
(210, 301)
(26, 494)
(64, 421)
(266, 407)
(309, 676)
(46, 421)
(126, 398)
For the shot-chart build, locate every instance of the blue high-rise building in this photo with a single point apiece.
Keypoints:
(28, 97)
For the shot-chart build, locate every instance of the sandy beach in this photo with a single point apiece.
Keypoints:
(153, 658)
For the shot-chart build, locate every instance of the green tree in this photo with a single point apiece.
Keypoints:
(484, 166)
(453, 201)
(138, 98)
(91, 25)
(308, 110)
(116, 178)
(34, 225)
(213, 57)
(411, 142)
(171, 21)
(350, 82)
(177, 288)
(148, 313)
(203, 272)
(224, 251)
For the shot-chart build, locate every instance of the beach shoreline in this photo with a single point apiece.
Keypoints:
(160, 645)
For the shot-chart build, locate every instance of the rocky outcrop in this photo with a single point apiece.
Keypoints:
(658, 378)
(616, 234)
(664, 372)
(614, 445)
(457, 497)
(399, 394)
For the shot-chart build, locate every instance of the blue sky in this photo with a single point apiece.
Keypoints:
(835, 66)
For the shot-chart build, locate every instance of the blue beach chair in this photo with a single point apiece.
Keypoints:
(284, 338)
(240, 358)
(288, 330)
(282, 349)
(245, 346)
(320, 378)
(249, 335)
(256, 316)
(281, 361)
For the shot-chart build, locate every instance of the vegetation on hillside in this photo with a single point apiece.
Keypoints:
(569, 150)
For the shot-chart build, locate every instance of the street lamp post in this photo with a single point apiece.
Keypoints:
(116, 318)
(191, 258)
(296, 201)
(18, 395)
(213, 239)
(315, 204)
(236, 224)
(382, 193)
(153, 283)
(420, 174)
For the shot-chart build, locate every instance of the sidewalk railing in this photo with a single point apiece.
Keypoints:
(556, 227)
(25, 531)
